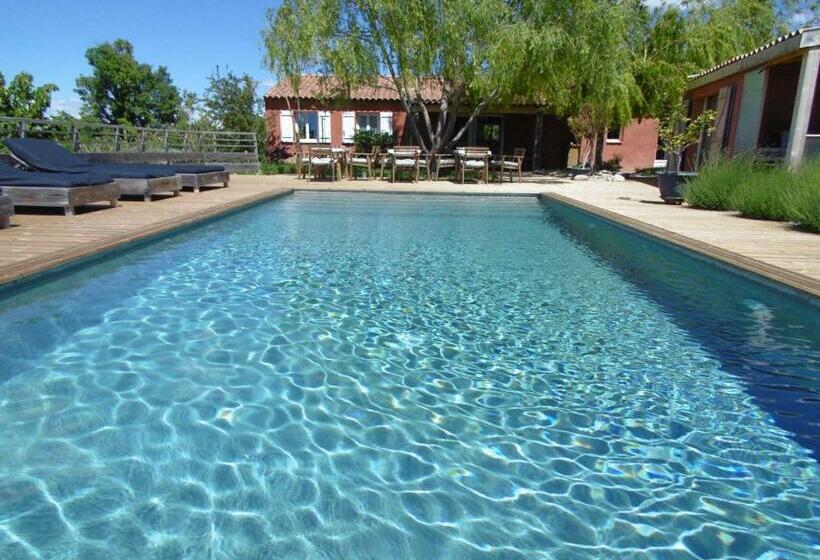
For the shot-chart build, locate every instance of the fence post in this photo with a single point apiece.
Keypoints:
(117, 139)
(256, 151)
(75, 137)
(142, 140)
(21, 129)
(165, 141)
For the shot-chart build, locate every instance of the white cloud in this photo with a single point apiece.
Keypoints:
(70, 105)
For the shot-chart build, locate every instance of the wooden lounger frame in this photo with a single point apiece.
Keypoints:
(147, 188)
(6, 211)
(66, 198)
(198, 180)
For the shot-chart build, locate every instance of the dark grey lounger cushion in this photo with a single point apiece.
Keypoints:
(48, 155)
(11, 177)
(195, 168)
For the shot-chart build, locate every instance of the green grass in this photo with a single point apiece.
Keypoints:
(759, 191)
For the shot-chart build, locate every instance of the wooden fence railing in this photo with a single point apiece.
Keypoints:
(238, 151)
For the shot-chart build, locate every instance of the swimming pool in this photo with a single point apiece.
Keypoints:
(383, 376)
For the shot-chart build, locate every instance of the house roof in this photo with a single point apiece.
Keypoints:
(781, 46)
(316, 86)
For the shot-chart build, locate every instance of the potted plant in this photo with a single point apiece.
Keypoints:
(677, 132)
(365, 140)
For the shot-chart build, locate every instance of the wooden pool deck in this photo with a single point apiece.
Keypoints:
(39, 240)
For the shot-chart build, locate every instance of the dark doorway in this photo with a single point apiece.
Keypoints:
(490, 132)
(778, 106)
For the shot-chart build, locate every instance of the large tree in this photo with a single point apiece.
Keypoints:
(582, 61)
(231, 102)
(469, 51)
(20, 98)
(122, 90)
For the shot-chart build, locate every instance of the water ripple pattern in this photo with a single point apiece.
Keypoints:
(363, 376)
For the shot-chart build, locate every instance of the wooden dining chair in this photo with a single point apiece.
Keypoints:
(510, 164)
(406, 158)
(474, 159)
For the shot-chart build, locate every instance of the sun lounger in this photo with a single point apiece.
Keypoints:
(196, 175)
(133, 178)
(6, 210)
(65, 190)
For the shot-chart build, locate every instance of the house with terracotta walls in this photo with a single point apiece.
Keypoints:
(767, 101)
(326, 113)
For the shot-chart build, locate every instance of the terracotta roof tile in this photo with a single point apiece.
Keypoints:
(315, 86)
(739, 57)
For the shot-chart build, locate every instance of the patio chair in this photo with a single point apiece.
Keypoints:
(133, 178)
(62, 190)
(444, 161)
(322, 160)
(302, 162)
(406, 158)
(476, 160)
(363, 160)
(6, 210)
(510, 164)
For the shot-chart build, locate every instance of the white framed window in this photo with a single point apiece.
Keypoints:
(307, 123)
(367, 121)
(614, 135)
(311, 126)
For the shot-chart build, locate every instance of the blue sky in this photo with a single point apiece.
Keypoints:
(48, 38)
(191, 37)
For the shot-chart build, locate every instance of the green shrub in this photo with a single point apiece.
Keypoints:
(716, 184)
(760, 191)
(762, 194)
(267, 167)
(803, 199)
(613, 165)
(366, 139)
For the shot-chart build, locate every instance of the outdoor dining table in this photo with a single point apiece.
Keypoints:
(343, 153)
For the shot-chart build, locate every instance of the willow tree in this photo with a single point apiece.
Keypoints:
(468, 54)
(582, 62)
(674, 42)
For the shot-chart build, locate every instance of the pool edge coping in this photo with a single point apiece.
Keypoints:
(31, 270)
(794, 280)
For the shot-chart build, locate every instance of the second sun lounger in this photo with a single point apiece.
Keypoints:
(134, 179)
(196, 176)
(63, 190)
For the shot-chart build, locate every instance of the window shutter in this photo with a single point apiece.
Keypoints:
(286, 126)
(386, 122)
(348, 126)
(324, 127)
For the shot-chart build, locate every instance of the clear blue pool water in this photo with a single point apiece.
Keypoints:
(364, 376)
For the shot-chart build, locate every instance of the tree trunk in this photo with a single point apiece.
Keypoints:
(536, 141)
(599, 150)
(672, 162)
